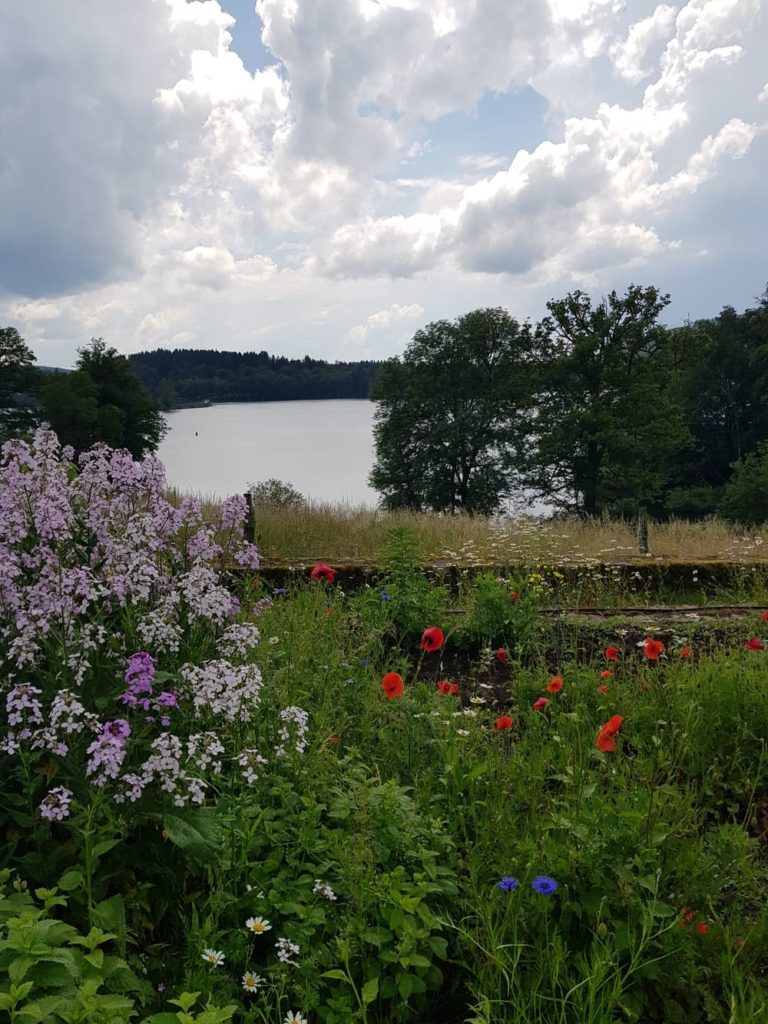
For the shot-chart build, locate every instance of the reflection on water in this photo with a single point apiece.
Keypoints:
(325, 449)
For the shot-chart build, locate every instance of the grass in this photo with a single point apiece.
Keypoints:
(345, 533)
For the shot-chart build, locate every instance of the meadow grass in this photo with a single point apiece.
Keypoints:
(345, 533)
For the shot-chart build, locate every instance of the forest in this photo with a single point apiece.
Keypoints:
(196, 376)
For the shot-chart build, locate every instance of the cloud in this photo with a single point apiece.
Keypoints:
(381, 320)
(155, 191)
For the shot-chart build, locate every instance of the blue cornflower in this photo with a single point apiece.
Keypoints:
(385, 596)
(508, 884)
(281, 590)
(545, 885)
(363, 661)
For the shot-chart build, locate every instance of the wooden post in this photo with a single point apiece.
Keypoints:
(250, 520)
(642, 530)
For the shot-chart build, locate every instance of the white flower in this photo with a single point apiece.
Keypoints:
(462, 732)
(294, 1017)
(286, 950)
(257, 925)
(251, 982)
(214, 957)
(274, 639)
(324, 889)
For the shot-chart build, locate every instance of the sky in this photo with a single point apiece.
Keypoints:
(325, 177)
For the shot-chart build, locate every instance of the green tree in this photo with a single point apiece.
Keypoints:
(451, 414)
(607, 422)
(18, 381)
(723, 382)
(103, 400)
(276, 494)
(744, 498)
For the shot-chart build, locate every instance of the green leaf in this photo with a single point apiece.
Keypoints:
(104, 847)
(161, 1018)
(216, 1015)
(72, 879)
(404, 985)
(336, 974)
(377, 936)
(370, 990)
(199, 837)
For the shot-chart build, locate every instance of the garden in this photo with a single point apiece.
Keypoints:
(415, 800)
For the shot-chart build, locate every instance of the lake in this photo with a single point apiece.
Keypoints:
(324, 449)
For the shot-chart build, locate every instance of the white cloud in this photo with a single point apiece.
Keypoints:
(381, 320)
(155, 191)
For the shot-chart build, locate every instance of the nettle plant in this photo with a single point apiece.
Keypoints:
(123, 658)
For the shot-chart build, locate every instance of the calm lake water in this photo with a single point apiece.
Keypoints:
(325, 449)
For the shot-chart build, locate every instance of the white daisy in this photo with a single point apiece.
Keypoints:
(257, 925)
(294, 1017)
(214, 957)
(251, 982)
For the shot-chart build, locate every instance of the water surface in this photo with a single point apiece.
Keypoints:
(323, 448)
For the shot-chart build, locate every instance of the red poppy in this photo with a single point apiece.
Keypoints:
(501, 656)
(333, 740)
(255, 582)
(514, 596)
(602, 689)
(652, 648)
(612, 653)
(323, 572)
(686, 652)
(432, 639)
(540, 704)
(764, 616)
(446, 689)
(555, 684)
(755, 645)
(703, 928)
(392, 685)
(605, 740)
(606, 674)
(454, 689)
(503, 722)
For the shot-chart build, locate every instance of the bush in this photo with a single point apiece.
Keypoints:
(276, 494)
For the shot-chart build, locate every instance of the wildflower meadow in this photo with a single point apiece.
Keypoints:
(227, 801)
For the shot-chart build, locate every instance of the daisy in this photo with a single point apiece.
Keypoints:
(257, 925)
(251, 982)
(294, 1017)
(214, 957)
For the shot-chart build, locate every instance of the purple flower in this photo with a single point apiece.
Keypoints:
(508, 884)
(118, 729)
(167, 699)
(545, 885)
(55, 806)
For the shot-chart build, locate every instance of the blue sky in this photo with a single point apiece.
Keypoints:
(324, 177)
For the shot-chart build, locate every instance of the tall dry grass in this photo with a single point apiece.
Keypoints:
(343, 533)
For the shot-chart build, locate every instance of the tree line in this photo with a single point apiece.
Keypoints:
(598, 409)
(193, 376)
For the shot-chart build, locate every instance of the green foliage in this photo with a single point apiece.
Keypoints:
(607, 421)
(102, 400)
(276, 494)
(49, 972)
(206, 375)
(18, 378)
(744, 498)
(495, 618)
(404, 601)
(450, 413)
